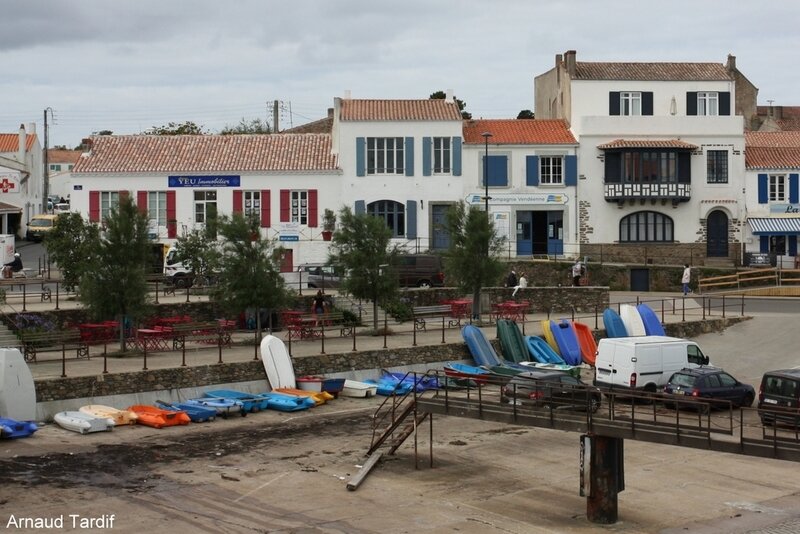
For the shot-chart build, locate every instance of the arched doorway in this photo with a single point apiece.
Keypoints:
(717, 241)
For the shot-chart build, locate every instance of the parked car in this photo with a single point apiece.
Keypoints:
(420, 270)
(779, 397)
(320, 276)
(39, 225)
(555, 389)
(710, 383)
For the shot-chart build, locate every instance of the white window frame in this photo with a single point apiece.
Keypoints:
(442, 155)
(630, 103)
(298, 206)
(108, 201)
(157, 207)
(777, 188)
(251, 203)
(385, 155)
(551, 170)
(201, 205)
(708, 103)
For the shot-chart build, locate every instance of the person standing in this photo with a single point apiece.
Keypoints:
(511, 281)
(318, 306)
(577, 272)
(686, 278)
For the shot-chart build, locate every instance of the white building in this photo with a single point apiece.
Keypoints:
(20, 179)
(661, 158)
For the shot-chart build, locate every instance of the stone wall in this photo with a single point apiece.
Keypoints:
(56, 389)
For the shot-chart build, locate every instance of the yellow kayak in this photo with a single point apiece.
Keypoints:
(547, 334)
(120, 417)
(320, 397)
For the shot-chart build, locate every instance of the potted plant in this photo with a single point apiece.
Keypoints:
(328, 224)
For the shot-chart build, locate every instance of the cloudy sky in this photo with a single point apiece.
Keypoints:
(127, 66)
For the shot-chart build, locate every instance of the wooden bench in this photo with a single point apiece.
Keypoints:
(439, 311)
(313, 326)
(58, 340)
(8, 284)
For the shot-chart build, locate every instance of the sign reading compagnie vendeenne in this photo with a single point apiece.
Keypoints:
(204, 181)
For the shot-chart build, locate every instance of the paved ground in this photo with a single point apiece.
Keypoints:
(274, 472)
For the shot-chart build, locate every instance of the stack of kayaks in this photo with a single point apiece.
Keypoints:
(567, 341)
(13, 429)
(83, 423)
(197, 413)
(652, 326)
(158, 418)
(251, 403)
(223, 407)
(120, 417)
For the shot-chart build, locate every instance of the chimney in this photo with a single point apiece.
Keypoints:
(347, 94)
(559, 59)
(330, 113)
(569, 59)
(23, 142)
(731, 65)
(449, 95)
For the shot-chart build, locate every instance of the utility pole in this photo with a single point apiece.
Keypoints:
(275, 114)
(46, 183)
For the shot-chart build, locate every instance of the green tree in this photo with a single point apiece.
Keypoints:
(253, 126)
(526, 114)
(461, 104)
(72, 245)
(199, 252)
(114, 283)
(173, 128)
(473, 259)
(249, 272)
(360, 247)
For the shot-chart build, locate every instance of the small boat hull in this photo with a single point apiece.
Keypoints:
(541, 351)
(158, 418)
(223, 407)
(613, 324)
(479, 375)
(547, 334)
(83, 423)
(251, 403)
(356, 389)
(320, 397)
(287, 403)
(652, 326)
(309, 383)
(482, 351)
(632, 320)
(120, 417)
(567, 341)
(198, 414)
(586, 341)
(13, 429)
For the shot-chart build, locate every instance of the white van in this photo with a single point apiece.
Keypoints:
(174, 269)
(644, 363)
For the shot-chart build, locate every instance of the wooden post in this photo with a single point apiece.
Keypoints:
(606, 478)
(359, 477)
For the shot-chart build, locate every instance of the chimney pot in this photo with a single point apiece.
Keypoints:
(731, 63)
(569, 59)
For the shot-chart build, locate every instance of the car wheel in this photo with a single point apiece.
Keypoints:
(182, 282)
(424, 284)
(748, 400)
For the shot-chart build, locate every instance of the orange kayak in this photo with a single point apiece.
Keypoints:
(586, 341)
(158, 418)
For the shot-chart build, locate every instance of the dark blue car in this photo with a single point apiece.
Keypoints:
(710, 383)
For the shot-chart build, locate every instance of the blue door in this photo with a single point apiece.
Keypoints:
(524, 236)
(555, 233)
(440, 239)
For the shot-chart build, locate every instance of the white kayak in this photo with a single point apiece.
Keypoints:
(120, 417)
(354, 388)
(83, 423)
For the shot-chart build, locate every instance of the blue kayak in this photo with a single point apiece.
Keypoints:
(287, 403)
(224, 407)
(197, 413)
(250, 402)
(13, 429)
(419, 382)
(390, 386)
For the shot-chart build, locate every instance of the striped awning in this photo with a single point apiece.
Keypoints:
(775, 225)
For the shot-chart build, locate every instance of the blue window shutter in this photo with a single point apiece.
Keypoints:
(571, 170)
(691, 103)
(409, 156)
(793, 192)
(724, 102)
(411, 219)
(763, 244)
(498, 171)
(426, 156)
(763, 189)
(456, 156)
(361, 154)
(361, 207)
(792, 245)
(532, 170)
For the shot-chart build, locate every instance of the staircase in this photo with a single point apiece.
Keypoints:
(361, 309)
(7, 337)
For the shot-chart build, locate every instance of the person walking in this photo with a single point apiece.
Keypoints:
(577, 272)
(511, 280)
(686, 278)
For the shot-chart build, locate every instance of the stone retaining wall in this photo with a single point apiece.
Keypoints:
(184, 377)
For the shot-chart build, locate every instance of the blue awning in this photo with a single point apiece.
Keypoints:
(775, 226)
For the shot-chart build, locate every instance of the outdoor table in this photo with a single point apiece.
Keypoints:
(151, 339)
(514, 311)
(460, 309)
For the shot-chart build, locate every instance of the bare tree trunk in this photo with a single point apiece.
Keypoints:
(476, 304)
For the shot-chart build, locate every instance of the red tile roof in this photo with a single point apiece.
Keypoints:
(58, 155)
(647, 143)
(318, 127)
(10, 142)
(790, 139)
(772, 158)
(208, 153)
(518, 132)
(432, 109)
(651, 71)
